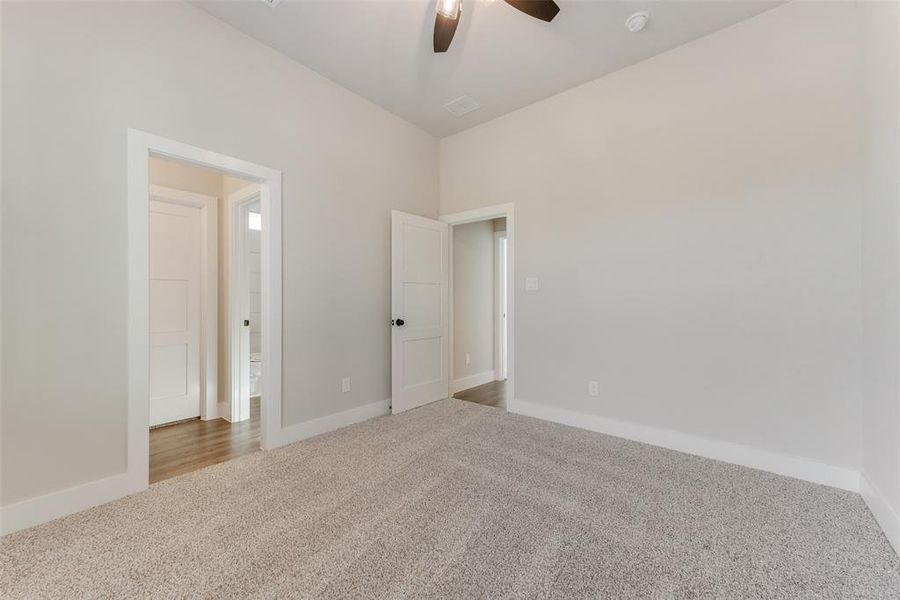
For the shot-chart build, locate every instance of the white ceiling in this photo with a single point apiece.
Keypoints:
(504, 59)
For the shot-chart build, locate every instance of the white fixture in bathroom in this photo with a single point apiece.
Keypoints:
(255, 374)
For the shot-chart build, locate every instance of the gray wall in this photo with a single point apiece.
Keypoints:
(881, 255)
(694, 221)
(473, 298)
(75, 77)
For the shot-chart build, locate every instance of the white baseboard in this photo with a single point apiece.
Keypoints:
(307, 429)
(884, 513)
(747, 456)
(35, 511)
(464, 383)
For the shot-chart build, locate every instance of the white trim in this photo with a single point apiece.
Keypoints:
(308, 429)
(82, 497)
(35, 511)
(464, 383)
(882, 510)
(176, 196)
(245, 194)
(141, 146)
(747, 456)
(209, 290)
(484, 214)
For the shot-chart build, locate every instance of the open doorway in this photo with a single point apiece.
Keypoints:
(141, 148)
(244, 350)
(205, 316)
(479, 312)
(424, 313)
(482, 306)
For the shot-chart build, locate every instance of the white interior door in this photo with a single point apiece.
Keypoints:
(175, 239)
(420, 278)
(243, 327)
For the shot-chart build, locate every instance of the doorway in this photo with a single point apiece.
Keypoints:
(479, 312)
(197, 418)
(496, 387)
(424, 348)
(179, 313)
(245, 363)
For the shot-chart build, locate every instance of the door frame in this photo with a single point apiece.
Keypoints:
(237, 203)
(209, 289)
(140, 147)
(500, 289)
(489, 213)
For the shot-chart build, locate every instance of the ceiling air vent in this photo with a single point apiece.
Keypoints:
(461, 106)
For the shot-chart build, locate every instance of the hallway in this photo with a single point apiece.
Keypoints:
(185, 447)
(489, 394)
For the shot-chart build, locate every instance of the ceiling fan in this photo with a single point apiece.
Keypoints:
(448, 12)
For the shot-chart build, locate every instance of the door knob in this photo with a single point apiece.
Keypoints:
(246, 322)
(400, 322)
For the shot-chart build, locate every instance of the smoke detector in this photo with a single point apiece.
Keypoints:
(461, 106)
(271, 3)
(637, 21)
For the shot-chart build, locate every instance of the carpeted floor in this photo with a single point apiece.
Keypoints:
(464, 501)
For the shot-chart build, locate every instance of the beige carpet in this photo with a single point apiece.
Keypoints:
(459, 500)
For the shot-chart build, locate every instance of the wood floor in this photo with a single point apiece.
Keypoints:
(489, 394)
(185, 447)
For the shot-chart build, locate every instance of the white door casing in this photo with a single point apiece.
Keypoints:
(420, 277)
(141, 146)
(175, 276)
(504, 322)
(485, 213)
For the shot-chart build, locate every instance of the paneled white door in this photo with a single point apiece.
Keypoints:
(175, 242)
(420, 280)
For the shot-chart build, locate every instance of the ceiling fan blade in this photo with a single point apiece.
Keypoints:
(544, 10)
(444, 28)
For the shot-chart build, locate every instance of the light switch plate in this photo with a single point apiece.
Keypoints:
(531, 284)
(345, 385)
